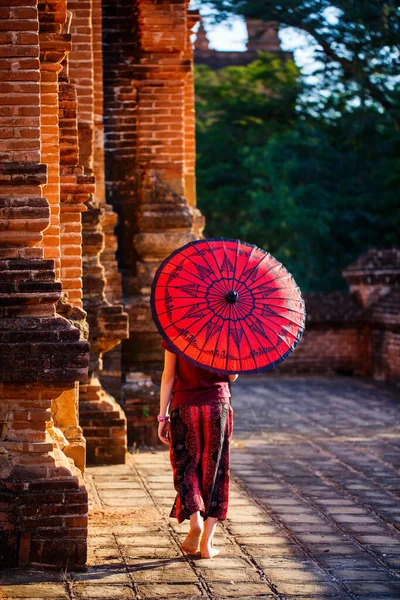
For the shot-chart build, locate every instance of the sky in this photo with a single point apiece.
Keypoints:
(232, 35)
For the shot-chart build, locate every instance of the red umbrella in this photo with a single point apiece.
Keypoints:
(227, 306)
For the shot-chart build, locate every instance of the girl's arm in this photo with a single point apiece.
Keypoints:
(167, 381)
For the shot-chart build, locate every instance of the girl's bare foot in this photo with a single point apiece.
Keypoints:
(207, 551)
(191, 542)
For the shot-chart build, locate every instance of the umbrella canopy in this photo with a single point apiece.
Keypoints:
(227, 306)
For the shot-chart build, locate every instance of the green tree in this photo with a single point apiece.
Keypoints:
(357, 42)
(322, 194)
(314, 191)
(237, 109)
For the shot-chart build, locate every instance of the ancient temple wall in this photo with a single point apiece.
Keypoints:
(190, 116)
(341, 348)
(120, 47)
(149, 145)
(42, 355)
(102, 419)
(386, 355)
(50, 148)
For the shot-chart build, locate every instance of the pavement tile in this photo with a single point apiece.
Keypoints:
(240, 590)
(265, 540)
(220, 563)
(165, 590)
(340, 550)
(29, 576)
(304, 575)
(369, 587)
(145, 571)
(302, 589)
(34, 590)
(285, 562)
(103, 591)
(230, 576)
(379, 540)
(253, 529)
(283, 550)
(360, 574)
(149, 552)
(110, 574)
(151, 541)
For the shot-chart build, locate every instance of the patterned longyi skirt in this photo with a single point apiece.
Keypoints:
(199, 454)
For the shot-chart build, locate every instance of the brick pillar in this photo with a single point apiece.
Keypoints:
(43, 498)
(374, 278)
(102, 419)
(189, 115)
(147, 65)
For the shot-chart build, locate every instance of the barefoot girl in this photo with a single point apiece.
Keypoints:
(197, 425)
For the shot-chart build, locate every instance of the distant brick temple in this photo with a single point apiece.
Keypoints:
(97, 186)
(262, 37)
(355, 332)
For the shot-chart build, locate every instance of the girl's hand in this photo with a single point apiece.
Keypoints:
(164, 432)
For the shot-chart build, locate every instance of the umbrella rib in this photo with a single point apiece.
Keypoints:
(263, 258)
(271, 342)
(180, 307)
(175, 322)
(192, 261)
(282, 317)
(248, 342)
(277, 334)
(190, 272)
(184, 279)
(216, 346)
(248, 259)
(235, 307)
(215, 260)
(230, 306)
(300, 325)
(300, 312)
(263, 274)
(278, 314)
(287, 274)
(202, 349)
(201, 329)
(229, 313)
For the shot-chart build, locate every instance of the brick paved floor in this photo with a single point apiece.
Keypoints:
(314, 509)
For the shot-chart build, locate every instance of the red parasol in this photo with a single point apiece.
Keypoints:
(227, 306)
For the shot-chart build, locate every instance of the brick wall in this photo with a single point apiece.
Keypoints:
(149, 150)
(42, 354)
(342, 350)
(102, 419)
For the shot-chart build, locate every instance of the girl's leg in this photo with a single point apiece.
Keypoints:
(185, 454)
(206, 543)
(191, 543)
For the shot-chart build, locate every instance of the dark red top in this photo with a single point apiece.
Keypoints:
(194, 385)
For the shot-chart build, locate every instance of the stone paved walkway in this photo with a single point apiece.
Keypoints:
(314, 510)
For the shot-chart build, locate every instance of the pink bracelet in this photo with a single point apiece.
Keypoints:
(162, 419)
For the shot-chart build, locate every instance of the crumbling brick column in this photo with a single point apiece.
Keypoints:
(375, 279)
(42, 355)
(102, 419)
(149, 119)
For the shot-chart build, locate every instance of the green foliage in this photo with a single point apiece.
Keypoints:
(357, 42)
(314, 191)
(236, 113)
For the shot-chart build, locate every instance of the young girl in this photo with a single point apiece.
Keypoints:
(197, 425)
